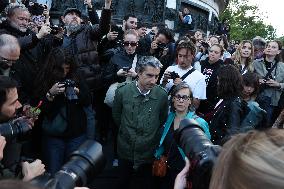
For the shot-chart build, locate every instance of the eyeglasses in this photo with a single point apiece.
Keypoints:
(7, 62)
(132, 44)
(184, 97)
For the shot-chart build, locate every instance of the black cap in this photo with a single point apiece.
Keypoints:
(68, 10)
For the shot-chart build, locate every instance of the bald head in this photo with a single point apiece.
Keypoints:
(9, 49)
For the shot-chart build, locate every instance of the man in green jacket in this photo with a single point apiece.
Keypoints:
(140, 108)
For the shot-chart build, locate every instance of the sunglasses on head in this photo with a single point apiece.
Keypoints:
(132, 44)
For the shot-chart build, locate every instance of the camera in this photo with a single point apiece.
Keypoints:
(14, 129)
(70, 93)
(126, 69)
(55, 29)
(199, 150)
(174, 75)
(84, 164)
(161, 46)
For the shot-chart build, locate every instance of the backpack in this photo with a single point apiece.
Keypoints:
(255, 117)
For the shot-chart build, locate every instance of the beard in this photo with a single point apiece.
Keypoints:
(73, 27)
(16, 26)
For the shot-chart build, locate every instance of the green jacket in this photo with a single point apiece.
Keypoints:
(139, 119)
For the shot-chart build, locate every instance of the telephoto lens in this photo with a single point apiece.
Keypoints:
(84, 164)
(199, 150)
(14, 129)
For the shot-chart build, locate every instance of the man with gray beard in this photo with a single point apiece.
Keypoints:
(83, 39)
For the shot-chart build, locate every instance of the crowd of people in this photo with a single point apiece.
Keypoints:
(89, 76)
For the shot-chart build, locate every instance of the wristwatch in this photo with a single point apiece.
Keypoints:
(49, 95)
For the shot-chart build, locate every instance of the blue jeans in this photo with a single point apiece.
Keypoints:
(90, 114)
(57, 151)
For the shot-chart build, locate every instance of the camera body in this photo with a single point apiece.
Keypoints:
(70, 93)
(174, 75)
(161, 46)
(199, 150)
(55, 29)
(126, 68)
(84, 164)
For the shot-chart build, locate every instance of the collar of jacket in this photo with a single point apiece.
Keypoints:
(136, 92)
(75, 33)
(6, 25)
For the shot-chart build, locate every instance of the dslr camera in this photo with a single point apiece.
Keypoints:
(161, 46)
(84, 164)
(70, 93)
(174, 75)
(15, 129)
(199, 150)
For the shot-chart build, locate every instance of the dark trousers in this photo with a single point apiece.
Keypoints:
(129, 177)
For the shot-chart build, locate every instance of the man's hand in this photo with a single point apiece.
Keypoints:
(180, 182)
(32, 170)
(107, 4)
(112, 35)
(177, 81)
(89, 3)
(44, 30)
(2, 146)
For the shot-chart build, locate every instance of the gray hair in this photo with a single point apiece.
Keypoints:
(10, 9)
(145, 61)
(9, 40)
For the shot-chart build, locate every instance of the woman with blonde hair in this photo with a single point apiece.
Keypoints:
(254, 160)
(244, 56)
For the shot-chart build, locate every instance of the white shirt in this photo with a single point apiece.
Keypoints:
(195, 80)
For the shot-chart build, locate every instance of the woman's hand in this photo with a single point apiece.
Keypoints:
(121, 73)
(131, 73)
(56, 89)
(273, 83)
(181, 182)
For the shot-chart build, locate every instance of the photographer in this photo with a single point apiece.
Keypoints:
(270, 69)
(246, 161)
(9, 127)
(185, 72)
(65, 96)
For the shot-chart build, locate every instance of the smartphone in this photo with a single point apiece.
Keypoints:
(126, 69)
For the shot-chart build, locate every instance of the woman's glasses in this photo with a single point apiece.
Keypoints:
(184, 97)
(132, 44)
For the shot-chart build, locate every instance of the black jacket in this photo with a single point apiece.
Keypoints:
(210, 71)
(75, 114)
(118, 61)
(33, 54)
(227, 119)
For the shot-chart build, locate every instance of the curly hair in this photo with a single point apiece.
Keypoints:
(186, 44)
(249, 60)
(230, 82)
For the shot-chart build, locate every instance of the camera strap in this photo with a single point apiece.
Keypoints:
(271, 70)
(182, 78)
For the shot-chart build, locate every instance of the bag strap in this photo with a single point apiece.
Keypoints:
(167, 127)
(187, 73)
(182, 78)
